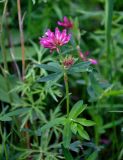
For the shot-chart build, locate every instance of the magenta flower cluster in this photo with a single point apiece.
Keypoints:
(66, 23)
(84, 57)
(54, 40)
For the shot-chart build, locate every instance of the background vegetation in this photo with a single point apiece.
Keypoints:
(27, 105)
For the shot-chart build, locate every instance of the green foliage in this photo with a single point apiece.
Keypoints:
(67, 154)
(93, 156)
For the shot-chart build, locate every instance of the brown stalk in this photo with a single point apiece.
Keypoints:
(20, 20)
(21, 38)
(15, 65)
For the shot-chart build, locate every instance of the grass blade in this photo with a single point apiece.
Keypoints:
(108, 25)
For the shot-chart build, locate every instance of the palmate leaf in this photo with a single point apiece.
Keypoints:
(53, 67)
(53, 76)
(77, 109)
(7, 116)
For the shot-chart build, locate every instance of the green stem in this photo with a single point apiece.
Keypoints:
(2, 37)
(67, 93)
(66, 84)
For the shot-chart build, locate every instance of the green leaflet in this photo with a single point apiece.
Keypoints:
(80, 67)
(7, 116)
(85, 122)
(82, 132)
(18, 112)
(54, 67)
(53, 76)
(93, 156)
(77, 109)
(53, 123)
(74, 127)
(82, 64)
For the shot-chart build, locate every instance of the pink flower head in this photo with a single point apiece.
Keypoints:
(93, 61)
(68, 61)
(53, 40)
(66, 23)
(84, 57)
